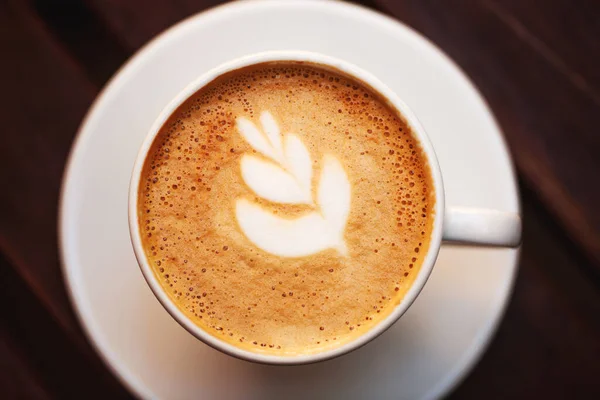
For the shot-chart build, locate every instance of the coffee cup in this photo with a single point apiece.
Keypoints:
(296, 206)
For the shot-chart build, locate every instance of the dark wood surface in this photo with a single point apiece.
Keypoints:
(537, 63)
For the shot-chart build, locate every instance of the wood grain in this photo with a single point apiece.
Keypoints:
(42, 105)
(43, 102)
(17, 380)
(82, 34)
(562, 31)
(536, 63)
(136, 25)
(50, 361)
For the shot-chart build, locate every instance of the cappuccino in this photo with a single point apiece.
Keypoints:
(286, 208)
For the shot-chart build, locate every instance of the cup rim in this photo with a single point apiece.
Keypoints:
(358, 74)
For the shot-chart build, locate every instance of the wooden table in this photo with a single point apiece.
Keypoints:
(537, 63)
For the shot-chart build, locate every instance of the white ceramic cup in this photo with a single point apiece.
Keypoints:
(451, 224)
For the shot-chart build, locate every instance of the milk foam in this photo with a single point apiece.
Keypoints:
(239, 256)
(284, 175)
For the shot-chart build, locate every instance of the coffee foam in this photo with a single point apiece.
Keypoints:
(273, 293)
(285, 176)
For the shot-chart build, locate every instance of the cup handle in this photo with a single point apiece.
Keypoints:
(481, 226)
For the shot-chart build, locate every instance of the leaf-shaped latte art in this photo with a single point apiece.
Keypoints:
(256, 139)
(272, 131)
(333, 196)
(271, 182)
(298, 159)
(286, 177)
(283, 237)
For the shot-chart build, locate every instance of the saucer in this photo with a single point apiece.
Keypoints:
(425, 354)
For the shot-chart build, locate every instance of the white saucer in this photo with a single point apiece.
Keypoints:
(425, 354)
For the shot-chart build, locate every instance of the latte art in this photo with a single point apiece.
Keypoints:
(285, 208)
(284, 175)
